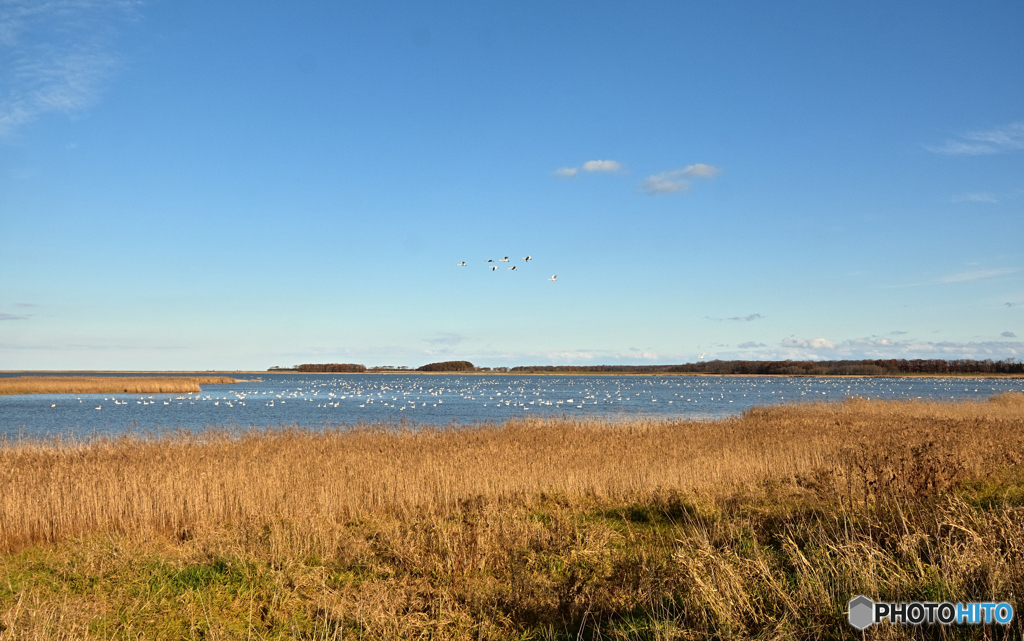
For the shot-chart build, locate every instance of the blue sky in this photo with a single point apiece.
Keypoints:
(240, 185)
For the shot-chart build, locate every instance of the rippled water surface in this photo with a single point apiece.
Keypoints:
(316, 400)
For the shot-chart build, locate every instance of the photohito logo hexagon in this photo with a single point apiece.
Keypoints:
(861, 612)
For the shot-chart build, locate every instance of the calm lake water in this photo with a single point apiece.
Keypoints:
(318, 400)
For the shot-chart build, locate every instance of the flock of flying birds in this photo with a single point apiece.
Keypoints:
(494, 267)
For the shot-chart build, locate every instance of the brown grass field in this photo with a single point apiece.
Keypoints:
(761, 526)
(108, 384)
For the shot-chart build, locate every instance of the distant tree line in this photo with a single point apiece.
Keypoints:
(334, 368)
(448, 366)
(878, 367)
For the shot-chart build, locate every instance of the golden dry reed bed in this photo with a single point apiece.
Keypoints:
(108, 384)
(758, 526)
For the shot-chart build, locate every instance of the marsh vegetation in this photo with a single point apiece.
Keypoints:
(108, 384)
(762, 526)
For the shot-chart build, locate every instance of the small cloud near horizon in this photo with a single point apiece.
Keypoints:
(746, 319)
(6, 317)
(571, 356)
(445, 338)
(750, 344)
(810, 343)
(1008, 335)
(643, 354)
(984, 142)
(677, 180)
(875, 347)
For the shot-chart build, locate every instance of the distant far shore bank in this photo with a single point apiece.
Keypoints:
(864, 368)
(373, 372)
(413, 372)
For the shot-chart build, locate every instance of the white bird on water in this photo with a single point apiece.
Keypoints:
(552, 279)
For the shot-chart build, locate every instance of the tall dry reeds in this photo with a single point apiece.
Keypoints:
(108, 384)
(177, 481)
(761, 526)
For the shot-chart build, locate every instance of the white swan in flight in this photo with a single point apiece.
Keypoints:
(494, 267)
(512, 268)
(552, 279)
(462, 264)
(505, 259)
(527, 258)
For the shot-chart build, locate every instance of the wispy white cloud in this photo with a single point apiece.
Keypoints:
(677, 180)
(746, 319)
(975, 197)
(809, 343)
(794, 348)
(445, 338)
(592, 167)
(601, 166)
(976, 274)
(989, 141)
(575, 356)
(869, 347)
(958, 277)
(55, 55)
(643, 354)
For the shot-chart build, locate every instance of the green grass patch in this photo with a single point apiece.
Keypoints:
(1002, 487)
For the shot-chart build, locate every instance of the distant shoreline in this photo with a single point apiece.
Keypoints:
(194, 373)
